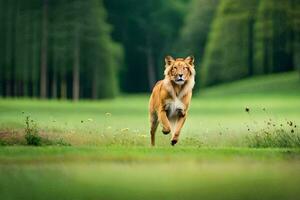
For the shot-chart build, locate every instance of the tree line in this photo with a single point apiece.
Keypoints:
(243, 38)
(98, 48)
(58, 49)
(148, 31)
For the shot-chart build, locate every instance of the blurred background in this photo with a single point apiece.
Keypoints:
(240, 141)
(92, 49)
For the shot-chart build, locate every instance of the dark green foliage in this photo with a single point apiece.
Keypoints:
(31, 133)
(33, 140)
(54, 142)
(87, 51)
(2, 143)
(62, 47)
(236, 39)
(279, 138)
(194, 33)
(227, 52)
(295, 13)
(148, 31)
(33, 137)
(67, 49)
(274, 36)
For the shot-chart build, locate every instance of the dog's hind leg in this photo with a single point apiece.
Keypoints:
(153, 124)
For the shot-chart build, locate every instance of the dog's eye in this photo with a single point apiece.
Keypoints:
(175, 68)
(185, 68)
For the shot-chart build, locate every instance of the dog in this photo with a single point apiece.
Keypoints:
(171, 97)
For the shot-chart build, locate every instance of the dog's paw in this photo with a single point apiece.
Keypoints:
(173, 142)
(166, 131)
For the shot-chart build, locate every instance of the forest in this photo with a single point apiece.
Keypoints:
(75, 117)
(93, 49)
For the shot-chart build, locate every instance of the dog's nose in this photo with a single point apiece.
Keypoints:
(180, 75)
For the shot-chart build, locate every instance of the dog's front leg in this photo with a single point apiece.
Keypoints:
(162, 115)
(179, 125)
(182, 115)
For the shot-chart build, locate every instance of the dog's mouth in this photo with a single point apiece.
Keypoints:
(179, 81)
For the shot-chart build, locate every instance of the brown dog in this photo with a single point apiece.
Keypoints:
(170, 98)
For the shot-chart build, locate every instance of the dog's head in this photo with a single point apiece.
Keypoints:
(179, 70)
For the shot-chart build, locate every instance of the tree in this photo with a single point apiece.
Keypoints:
(2, 52)
(197, 25)
(9, 29)
(44, 50)
(274, 39)
(52, 45)
(295, 23)
(148, 31)
(106, 54)
(86, 51)
(227, 53)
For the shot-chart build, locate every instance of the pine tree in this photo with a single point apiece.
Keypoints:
(229, 45)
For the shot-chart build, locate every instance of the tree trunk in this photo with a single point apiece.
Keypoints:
(266, 56)
(291, 36)
(44, 51)
(34, 57)
(54, 85)
(27, 54)
(250, 45)
(150, 65)
(95, 84)
(8, 49)
(54, 74)
(76, 66)
(17, 48)
(2, 47)
(296, 37)
(150, 68)
(63, 87)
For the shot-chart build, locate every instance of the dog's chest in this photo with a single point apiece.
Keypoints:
(172, 106)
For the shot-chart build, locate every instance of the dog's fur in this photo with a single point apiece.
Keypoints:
(170, 98)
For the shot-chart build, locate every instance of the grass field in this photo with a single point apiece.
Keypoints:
(100, 149)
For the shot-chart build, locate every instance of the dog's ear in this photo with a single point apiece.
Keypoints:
(169, 60)
(190, 60)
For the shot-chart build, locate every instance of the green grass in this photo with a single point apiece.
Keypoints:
(282, 84)
(110, 157)
(147, 173)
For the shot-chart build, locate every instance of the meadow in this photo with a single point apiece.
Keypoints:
(241, 141)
